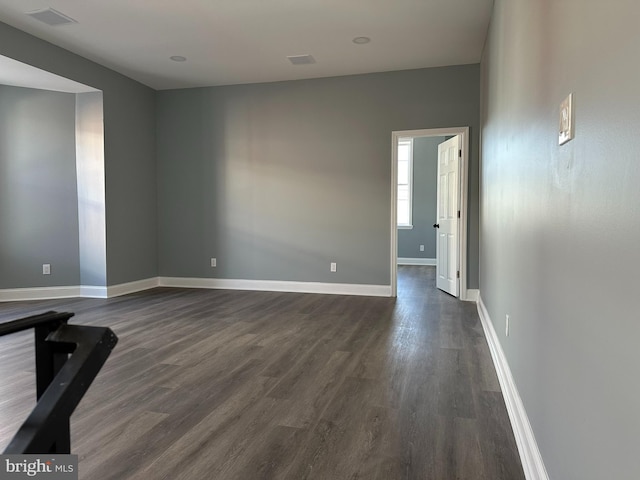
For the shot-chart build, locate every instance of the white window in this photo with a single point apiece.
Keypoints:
(405, 182)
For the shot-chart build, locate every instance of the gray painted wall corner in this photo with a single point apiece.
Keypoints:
(130, 157)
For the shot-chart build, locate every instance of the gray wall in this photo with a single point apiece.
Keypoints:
(425, 200)
(38, 202)
(130, 170)
(561, 225)
(277, 180)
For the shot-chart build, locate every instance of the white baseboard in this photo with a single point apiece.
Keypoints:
(416, 261)
(472, 295)
(530, 457)
(38, 293)
(91, 291)
(132, 287)
(84, 291)
(278, 286)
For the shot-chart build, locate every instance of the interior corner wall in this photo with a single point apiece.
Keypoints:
(277, 180)
(425, 199)
(560, 225)
(130, 157)
(38, 207)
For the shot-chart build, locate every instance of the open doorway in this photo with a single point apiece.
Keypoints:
(403, 143)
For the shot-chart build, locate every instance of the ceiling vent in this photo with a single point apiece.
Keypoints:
(51, 17)
(301, 59)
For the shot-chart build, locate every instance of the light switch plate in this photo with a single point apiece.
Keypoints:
(566, 120)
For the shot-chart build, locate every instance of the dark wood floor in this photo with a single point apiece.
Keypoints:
(231, 385)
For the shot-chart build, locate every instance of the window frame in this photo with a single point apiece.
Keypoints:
(409, 141)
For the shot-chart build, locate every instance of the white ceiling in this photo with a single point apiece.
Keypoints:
(247, 41)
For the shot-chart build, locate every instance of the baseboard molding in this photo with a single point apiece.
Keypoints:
(91, 291)
(278, 286)
(472, 295)
(132, 287)
(416, 261)
(84, 291)
(530, 457)
(38, 293)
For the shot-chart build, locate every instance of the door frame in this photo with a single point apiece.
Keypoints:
(463, 192)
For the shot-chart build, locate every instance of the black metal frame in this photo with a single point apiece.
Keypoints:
(68, 358)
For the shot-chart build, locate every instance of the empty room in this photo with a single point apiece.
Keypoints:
(319, 240)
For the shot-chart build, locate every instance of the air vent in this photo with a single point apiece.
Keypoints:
(51, 17)
(301, 59)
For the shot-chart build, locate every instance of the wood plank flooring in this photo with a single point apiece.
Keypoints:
(232, 385)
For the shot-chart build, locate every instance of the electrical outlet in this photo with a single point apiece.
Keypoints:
(422, 248)
(213, 262)
(506, 328)
(334, 267)
(46, 269)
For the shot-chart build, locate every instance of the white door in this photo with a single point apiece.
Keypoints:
(447, 271)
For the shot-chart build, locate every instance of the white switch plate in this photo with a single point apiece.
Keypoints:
(422, 248)
(213, 262)
(334, 267)
(566, 120)
(46, 269)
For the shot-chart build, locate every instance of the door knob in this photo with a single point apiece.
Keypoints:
(436, 225)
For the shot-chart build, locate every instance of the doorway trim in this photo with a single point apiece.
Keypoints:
(463, 189)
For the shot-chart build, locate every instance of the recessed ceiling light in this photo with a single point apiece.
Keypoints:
(361, 40)
(178, 58)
